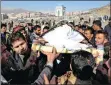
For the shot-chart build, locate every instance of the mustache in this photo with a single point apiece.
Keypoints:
(23, 51)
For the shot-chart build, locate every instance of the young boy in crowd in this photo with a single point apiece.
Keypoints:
(100, 40)
(23, 31)
(24, 62)
(10, 75)
(89, 34)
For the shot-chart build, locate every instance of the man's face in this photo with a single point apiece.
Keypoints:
(38, 31)
(99, 39)
(76, 28)
(94, 27)
(3, 29)
(20, 46)
(88, 34)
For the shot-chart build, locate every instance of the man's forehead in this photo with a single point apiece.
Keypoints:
(87, 31)
(19, 40)
(3, 27)
(38, 28)
(100, 34)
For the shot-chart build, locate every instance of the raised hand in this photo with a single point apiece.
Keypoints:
(51, 56)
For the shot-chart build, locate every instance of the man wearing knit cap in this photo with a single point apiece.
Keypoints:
(108, 30)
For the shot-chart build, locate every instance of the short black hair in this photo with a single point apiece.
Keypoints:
(82, 63)
(102, 32)
(71, 24)
(36, 27)
(76, 26)
(97, 22)
(46, 27)
(83, 27)
(29, 24)
(3, 25)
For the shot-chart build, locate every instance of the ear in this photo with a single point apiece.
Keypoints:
(105, 41)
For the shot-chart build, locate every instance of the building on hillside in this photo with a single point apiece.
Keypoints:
(4, 16)
(60, 11)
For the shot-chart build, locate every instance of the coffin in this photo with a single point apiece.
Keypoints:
(64, 39)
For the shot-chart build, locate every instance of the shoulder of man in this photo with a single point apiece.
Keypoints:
(32, 34)
(107, 27)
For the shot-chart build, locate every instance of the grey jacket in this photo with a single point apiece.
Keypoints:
(33, 36)
(23, 72)
(47, 70)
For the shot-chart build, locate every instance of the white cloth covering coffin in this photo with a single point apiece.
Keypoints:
(65, 37)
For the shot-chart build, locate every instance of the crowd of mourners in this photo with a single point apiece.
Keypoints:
(20, 65)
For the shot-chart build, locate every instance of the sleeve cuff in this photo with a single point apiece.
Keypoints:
(49, 64)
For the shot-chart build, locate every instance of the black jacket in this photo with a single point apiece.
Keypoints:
(108, 30)
(23, 73)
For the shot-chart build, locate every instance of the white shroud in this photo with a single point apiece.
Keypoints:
(65, 37)
(65, 40)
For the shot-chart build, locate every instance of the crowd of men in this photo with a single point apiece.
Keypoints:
(20, 65)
